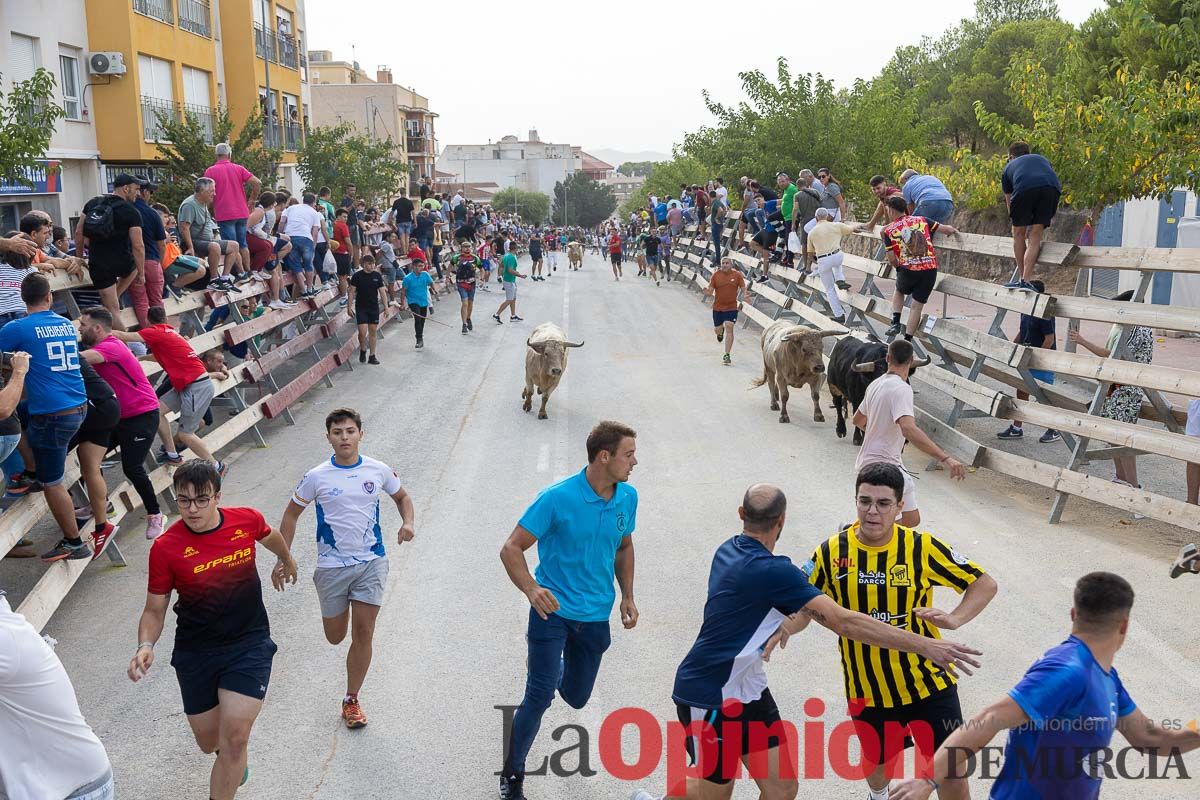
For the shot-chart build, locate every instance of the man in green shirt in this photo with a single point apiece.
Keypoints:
(509, 275)
(787, 195)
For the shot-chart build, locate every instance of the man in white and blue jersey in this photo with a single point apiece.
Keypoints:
(756, 597)
(583, 528)
(1062, 715)
(352, 565)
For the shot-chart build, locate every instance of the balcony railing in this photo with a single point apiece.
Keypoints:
(283, 50)
(272, 135)
(264, 43)
(152, 108)
(196, 16)
(203, 115)
(292, 137)
(287, 51)
(159, 9)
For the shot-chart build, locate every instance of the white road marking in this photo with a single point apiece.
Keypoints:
(543, 462)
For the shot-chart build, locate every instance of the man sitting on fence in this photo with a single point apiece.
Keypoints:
(199, 236)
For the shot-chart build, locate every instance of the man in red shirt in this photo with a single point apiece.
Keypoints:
(223, 648)
(614, 251)
(341, 235)
(882, 191)
(908, 241)
(700, 200)
(192, 389)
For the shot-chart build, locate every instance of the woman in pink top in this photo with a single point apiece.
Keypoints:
(230, 208)
(114, 362)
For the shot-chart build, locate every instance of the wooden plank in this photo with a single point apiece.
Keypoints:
(1129, 498)
(299, 385)
(343, 354)
(757, 316)
(1149, 259)
(775, 296)
(991, 294)
(174, 306)
(1055, 254)
(992, 347)
(976, 396)
(1086, 365)
(1139, 437)
(257, 369)
(1171, 318)
(953, 441)
(269, 321)
(60, 281)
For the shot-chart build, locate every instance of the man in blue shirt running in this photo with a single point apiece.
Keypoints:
(583, 527)
(1062, 714)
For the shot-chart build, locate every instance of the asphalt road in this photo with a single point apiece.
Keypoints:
(450, 645)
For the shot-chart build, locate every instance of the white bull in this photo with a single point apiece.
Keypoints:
(545, 363)
(575, 254)
(792, 357)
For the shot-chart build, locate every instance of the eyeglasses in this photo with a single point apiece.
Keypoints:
(882, 506)
(202, 501)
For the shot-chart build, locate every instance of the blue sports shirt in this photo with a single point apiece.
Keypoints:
(53, 383)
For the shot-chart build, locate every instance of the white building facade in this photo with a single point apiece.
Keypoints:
(531, 165)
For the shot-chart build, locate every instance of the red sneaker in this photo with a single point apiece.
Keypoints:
(101, 538)
(353, 714)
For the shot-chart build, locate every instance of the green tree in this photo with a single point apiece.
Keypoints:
(531, 207)
(186, 148)
(1162, 36)
(640, 168)
(579, 200)
(337, 155)
(27, 117)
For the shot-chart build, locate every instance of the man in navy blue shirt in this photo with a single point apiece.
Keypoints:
(1062, 714)
(583, 527)
(149, 291)
(1031, 191)
(755, 600)
(57, 402)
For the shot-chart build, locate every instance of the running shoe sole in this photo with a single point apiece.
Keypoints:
(1188, 554)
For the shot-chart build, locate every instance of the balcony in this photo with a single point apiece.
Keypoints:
(152, 109)
(203, 115)
(271, 46)
(158, 9)
(196, 16)
(272, 135)
(293, 137)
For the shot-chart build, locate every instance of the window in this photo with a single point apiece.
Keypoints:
(25, 58)
(158, 94)
(196, 87)
(68, 70)
(414, 127)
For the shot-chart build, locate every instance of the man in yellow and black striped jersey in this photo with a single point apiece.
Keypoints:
(880, 568)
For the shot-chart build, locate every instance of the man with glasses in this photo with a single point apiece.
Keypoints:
(888, 571)
(223, 648)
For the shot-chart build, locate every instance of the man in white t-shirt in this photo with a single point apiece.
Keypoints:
(47, 750)
(352, 565)
(304, 226)
(887, 419)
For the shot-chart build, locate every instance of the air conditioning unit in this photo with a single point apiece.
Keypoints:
(106, 64)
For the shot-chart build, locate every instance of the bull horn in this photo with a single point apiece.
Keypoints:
(921, 362)
(866, 366)
(572, 344)
(833, 333)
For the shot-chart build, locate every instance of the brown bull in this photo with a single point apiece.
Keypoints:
(792, 357)
(545, 363)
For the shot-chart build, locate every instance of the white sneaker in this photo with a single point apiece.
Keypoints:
(259, 276)
(642, 794)
(278, 305)
(155, 524)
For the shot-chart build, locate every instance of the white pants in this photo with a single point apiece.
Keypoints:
(552, 258)
(830, 270)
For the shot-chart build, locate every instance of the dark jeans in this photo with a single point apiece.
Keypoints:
(717, 230)
(49, 437)
(319, 250)
(563, 655)
(135, 435)
(419, 313)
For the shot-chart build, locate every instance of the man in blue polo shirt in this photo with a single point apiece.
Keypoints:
(1062, 715)
(57, 402)
(926, 196)
(583, 527)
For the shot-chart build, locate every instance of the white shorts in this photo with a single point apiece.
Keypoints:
(910, 492)
(337, 586)
(1193, 419)
(510, 291)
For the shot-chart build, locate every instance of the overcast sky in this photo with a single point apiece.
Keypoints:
(617, 74)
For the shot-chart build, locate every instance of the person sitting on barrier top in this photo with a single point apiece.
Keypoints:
(908, 241)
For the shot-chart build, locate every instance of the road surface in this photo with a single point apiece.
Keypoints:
(450, 644)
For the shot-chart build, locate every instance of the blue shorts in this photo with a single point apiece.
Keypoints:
(466, 293)
(487, 265)
(404, 228)
(301, 257)
(234, 230)
(244, 670)
(49, 437)
(721, 317)
(1043, 376)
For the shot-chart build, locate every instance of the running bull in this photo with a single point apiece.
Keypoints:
(792, 357)
(575, 254)
(853, 364)
(545, 363)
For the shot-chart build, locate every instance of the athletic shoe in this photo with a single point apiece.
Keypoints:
(373, 360)
(721, 335)
(342, 302)
(420, 343)
(222, 468)
(843, 285)
(512, 787)
(1015, 283)
(245, 775)
(1011, 432)
(641, 794)
(497, 318)
(464, 330)
(515, 318)
(66, 550)
(1187, 561)
(101, 537)
(155, 524)
(279, 305)
(658, 283)
(172, 460)
(109, 463)
(894, 329)
(470, 324)
(1049, 436)
(22, 484)
(362, 356)
(353, 714)
(258, 276)
(726, 360)
(840, 319)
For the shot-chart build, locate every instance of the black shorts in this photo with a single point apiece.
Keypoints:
(766, 238)
(104, 274)
(98, 424)
(243, 670)
(916, 282)
(940, 711)
(615, 258)
(344, 267)
(366, 316)
(1034, 207)
(762, 711)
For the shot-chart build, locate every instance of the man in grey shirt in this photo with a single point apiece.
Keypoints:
(200, 237)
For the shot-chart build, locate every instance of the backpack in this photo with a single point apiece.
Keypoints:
(99, 223)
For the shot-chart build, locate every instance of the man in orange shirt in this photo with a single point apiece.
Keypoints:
(727, 287)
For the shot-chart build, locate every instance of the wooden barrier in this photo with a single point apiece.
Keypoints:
(966, 356)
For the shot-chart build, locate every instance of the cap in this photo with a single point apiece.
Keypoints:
(145, 183)
(124, 179)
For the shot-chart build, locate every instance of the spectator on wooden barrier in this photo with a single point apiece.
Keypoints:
(60, 244)
(192, 390)
(38, 227)
(832, 197)
(200, 237)
(1034, 332)
(57, 402)
(266, 249)
(927, 196)
(1031, 191)
(1124, 402)
(111, 233)
(908, 242)
(882, 190)
(149, 292)
(230, 208)
(825, 249)
(138, 418)
(804, 210)
(342, 254)
(90, 444)
(301, 223)
(718, 209)
(402, 218)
